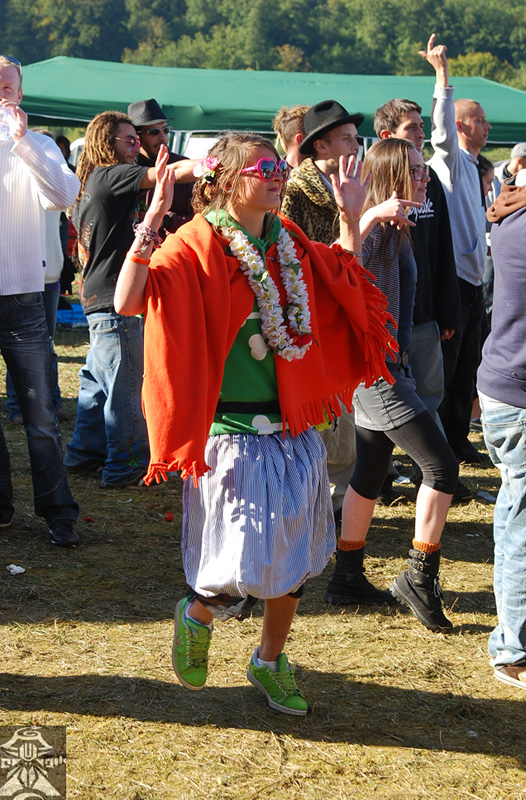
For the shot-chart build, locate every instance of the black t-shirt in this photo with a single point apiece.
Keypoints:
(104, 218)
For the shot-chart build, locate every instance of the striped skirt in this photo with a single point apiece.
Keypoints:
(260, 522)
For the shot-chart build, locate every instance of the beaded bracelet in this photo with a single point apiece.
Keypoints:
(137, 260)
(147, 235)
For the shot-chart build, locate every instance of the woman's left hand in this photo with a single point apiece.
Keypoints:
(349, 192)
(164, 190)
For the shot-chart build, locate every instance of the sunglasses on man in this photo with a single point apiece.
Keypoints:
(267, 169)
(156, 131)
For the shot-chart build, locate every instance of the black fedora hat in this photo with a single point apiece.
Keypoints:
(146, 112)
(322, 118)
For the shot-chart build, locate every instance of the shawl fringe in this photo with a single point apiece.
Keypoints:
(197, 299)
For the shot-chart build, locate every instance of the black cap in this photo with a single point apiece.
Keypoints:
(322, 118)
(146, 112)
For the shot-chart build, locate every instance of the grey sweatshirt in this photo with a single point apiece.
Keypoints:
(458, 173)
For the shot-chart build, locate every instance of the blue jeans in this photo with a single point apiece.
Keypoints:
(110, 430)
(24, 343)
(50, 299)
(505, 436)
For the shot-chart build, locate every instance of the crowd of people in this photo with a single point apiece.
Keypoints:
(271, 328)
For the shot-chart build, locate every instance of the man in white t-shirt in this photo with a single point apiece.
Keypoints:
(35, 178)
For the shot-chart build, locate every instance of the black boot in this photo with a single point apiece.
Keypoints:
(418, 588)
(349, 586)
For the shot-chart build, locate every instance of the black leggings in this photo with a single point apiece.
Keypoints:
(421, 439)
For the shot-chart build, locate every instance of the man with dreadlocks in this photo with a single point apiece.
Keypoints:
(110, 432)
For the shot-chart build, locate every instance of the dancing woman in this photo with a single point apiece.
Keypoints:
(389, 414)
(252, 335)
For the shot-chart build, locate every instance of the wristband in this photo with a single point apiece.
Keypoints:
(137, 260)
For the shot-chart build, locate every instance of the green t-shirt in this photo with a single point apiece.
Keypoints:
(250, 373)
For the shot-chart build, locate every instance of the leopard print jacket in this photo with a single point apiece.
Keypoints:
(310, 204)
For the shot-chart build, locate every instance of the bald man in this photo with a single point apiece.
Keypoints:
(459, 132)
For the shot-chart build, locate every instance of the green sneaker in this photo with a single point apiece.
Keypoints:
(190, 648)
(279, 687)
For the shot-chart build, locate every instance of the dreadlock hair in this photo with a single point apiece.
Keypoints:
(98, 148)
(224, 186)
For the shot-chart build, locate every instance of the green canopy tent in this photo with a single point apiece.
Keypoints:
(70, 91)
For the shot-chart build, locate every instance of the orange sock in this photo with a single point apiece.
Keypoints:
(424, 547)
(345, 545)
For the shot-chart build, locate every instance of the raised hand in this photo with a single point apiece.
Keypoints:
(436, 56)
(349, 192)
(164, 190)
(20, 118)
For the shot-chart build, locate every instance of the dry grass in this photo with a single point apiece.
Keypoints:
(397, 712)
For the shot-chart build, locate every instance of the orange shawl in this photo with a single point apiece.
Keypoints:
(197, 298)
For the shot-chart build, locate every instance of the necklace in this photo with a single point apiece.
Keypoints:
(287, 330)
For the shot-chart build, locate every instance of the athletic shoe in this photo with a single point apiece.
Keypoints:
(63, 533)
(190, 648)
(515, 674)
(279, 687)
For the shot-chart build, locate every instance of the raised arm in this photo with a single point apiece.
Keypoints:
(183, 172)
(57, 186)
(349, 194)
(443, 126)
(131, 283)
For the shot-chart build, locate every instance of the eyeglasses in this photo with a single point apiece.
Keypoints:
(267, 169)
(131, 141)
(14, 61)
(156, 131)
(418, 172)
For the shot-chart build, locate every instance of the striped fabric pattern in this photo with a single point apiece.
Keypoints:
(261, 521)
(34, 177)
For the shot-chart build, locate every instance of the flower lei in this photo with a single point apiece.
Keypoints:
(286, 330)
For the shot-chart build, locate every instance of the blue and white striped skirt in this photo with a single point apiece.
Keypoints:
(260, 522)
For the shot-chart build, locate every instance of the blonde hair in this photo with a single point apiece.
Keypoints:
(232, 152)
(287, 123)
(98, 148)
(6, 62)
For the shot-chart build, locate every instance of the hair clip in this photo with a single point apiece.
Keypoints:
(206, 168)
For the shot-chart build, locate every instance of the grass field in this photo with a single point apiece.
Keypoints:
(397, 712)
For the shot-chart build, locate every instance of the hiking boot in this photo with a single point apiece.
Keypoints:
(190, 648)
(279, 687)
(349, 586)
(514, 674)
(63, 533)
(419, 589)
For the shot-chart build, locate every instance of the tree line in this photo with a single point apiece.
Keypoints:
(342, 36)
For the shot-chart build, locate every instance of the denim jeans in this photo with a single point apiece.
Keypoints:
(505, 435)
(24, 343)
(50, 300)
(110, 429)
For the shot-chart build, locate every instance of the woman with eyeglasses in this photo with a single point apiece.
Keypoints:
(389, 414)
(247, 326)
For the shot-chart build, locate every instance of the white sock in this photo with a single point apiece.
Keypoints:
(259, 662)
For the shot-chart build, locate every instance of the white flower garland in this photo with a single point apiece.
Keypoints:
(284, 339)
